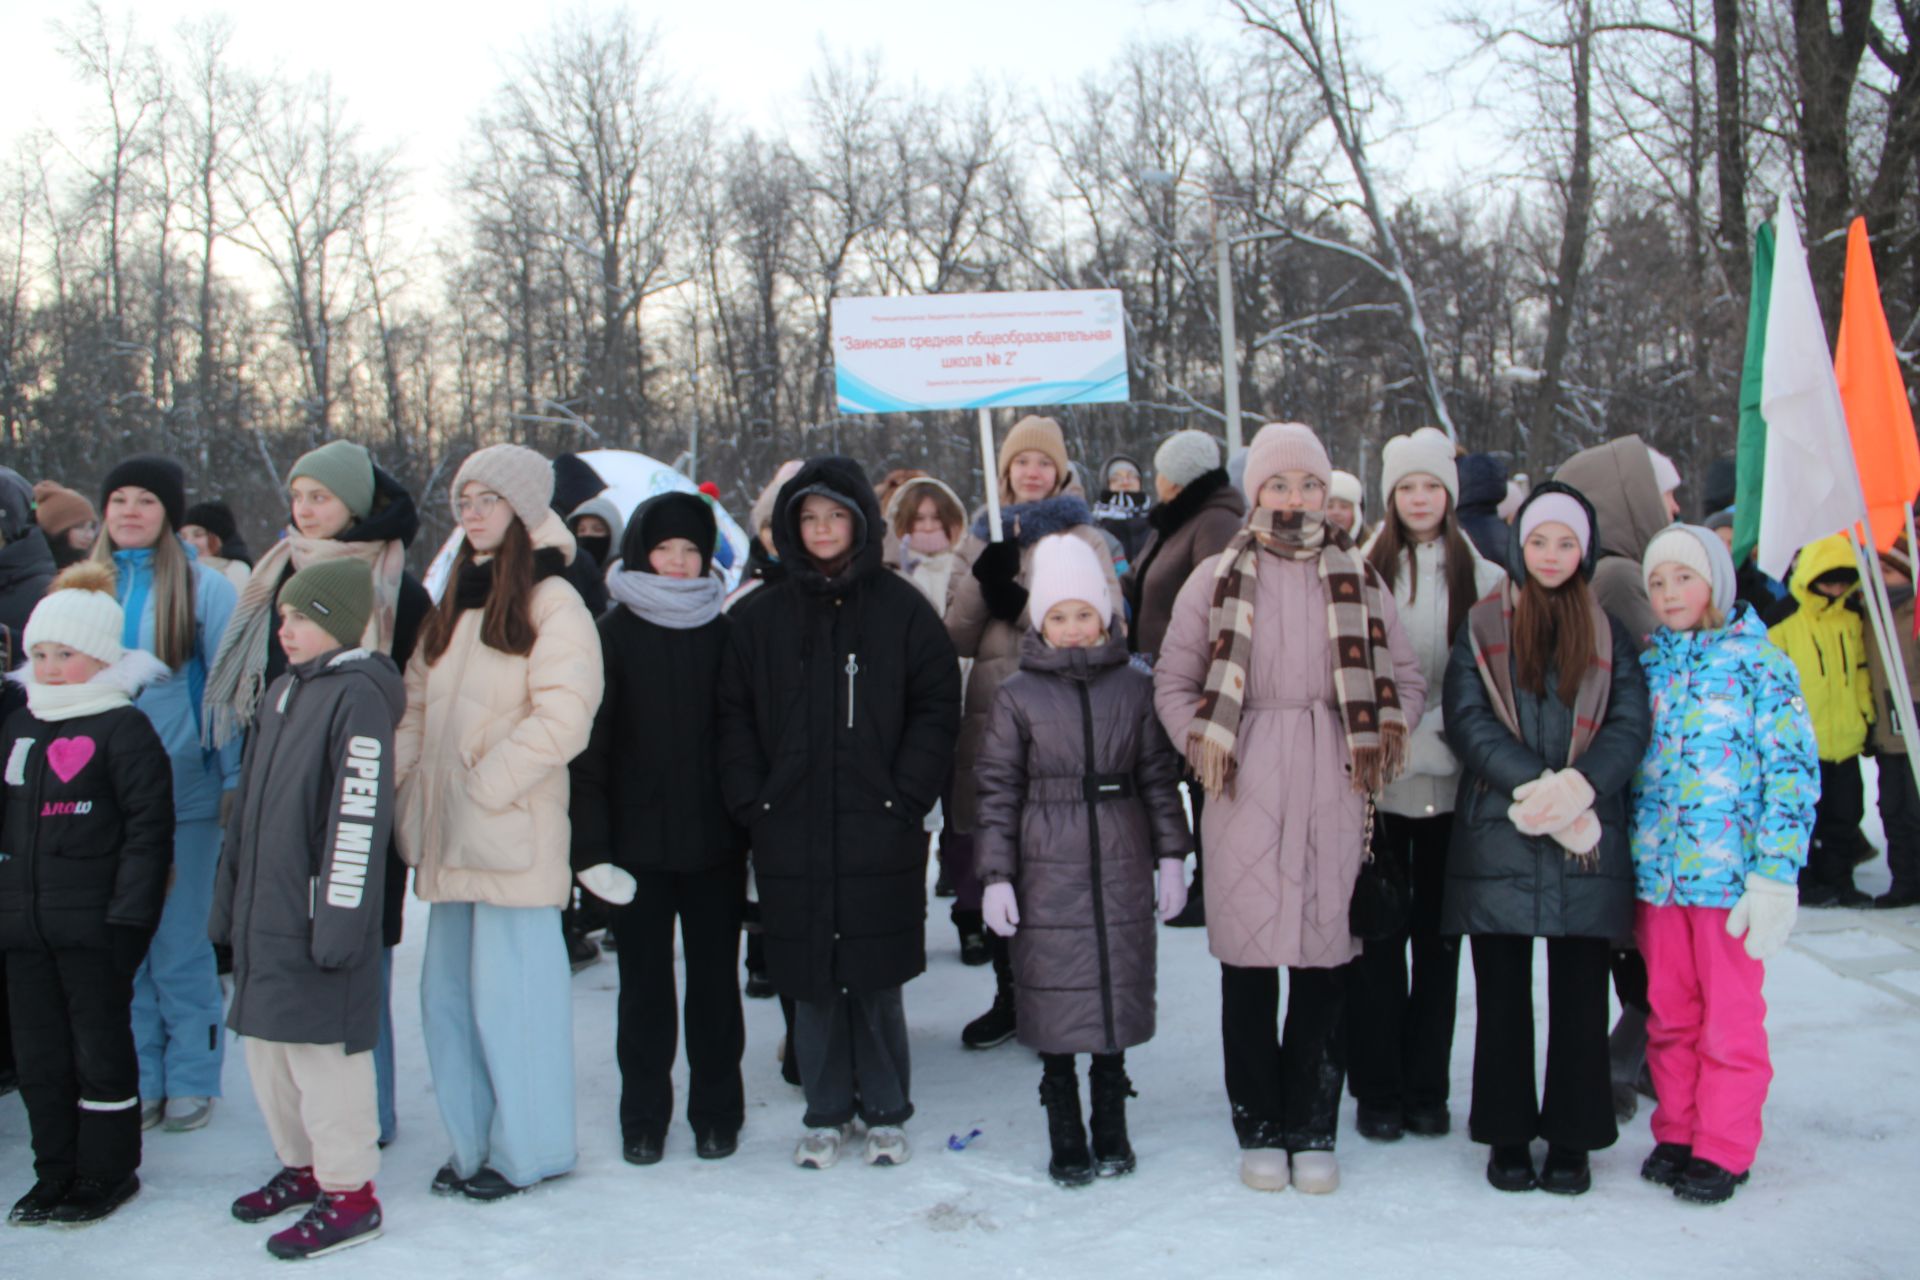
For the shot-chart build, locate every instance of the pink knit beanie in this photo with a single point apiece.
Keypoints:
(1557, 508)
(1065, 568)
(1285, 446)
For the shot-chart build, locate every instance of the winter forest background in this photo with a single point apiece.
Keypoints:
(216, 260)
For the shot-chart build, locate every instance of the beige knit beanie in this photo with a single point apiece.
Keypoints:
(516, 473)
(1285, 446)
(1039, 433)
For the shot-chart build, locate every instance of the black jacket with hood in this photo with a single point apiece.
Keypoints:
(86, 843)
(394, 518)
(26, 561)
(839, 705)
(1498, 879)
(299, 893)
(1483, 487)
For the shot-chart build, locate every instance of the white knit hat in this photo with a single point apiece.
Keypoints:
(1346, 487)
(1065, 568)
(1185, 456)
(515, 472)
(1425, 452)
(80, 612)
(1700, 550)
(1665, 474)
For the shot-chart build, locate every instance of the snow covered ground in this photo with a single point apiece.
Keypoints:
(1837, 1174)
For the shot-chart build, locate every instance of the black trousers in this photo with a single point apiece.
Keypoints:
(1400, 1033)
(1103, 1064)
(1900, 815)
(854, 1058)
(72, 1026)
(707, 906)
(1285, 1093)
(1578, 1113)
(1836, 823)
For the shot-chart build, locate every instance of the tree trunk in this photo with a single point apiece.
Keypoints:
(1541, 448)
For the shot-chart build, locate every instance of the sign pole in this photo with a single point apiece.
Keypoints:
(989, 473)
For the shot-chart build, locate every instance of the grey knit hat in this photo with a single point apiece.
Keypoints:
(1185, 456)
(345, 468)
(516, 473)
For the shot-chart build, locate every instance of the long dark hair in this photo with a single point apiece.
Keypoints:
(1394, 538)
(1553, 630)
(507, 622)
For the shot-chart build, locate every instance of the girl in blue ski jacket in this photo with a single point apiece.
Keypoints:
(1722, 811)
(176, 609)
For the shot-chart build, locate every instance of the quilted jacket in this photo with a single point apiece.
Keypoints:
(1731, 773)
(1079, 798)
(482, 752)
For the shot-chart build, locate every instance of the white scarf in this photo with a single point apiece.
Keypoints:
(112, 688)
(679, 604)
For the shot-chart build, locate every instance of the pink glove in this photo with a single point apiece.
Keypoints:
(998, 909)
(1545, 806)
(1173, 887)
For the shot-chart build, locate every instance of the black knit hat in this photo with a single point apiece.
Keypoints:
(161, 476)
(669, 515)
(574, 481)
(216, 518)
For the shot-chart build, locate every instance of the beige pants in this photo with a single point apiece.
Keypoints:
(319, 1105)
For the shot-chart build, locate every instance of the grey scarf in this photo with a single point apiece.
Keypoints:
(679, 604)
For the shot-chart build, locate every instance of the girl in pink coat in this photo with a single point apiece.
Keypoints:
(1288, 683)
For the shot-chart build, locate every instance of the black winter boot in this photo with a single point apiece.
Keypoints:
(996, 1025)
(1071, 1164)
(1112, 1153)
(973, 936)
(1705, 1182)
(1666, 1162)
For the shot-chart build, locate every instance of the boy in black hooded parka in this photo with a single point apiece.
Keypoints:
(839, 706)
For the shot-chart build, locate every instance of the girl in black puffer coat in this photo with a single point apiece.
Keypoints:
(652, 835)
(1079, 804)
(1546, 707)
(88, 834)
(839, 705)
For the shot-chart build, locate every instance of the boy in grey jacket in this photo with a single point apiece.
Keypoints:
(299, 900)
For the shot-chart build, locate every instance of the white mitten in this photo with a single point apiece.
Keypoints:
(998, 908)
(1582, 835)
(1552, 803)
(1765, 914)
(1427, 749)
(1173, 887)
(609, 883)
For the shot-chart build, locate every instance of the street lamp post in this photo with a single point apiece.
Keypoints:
(1223, 268)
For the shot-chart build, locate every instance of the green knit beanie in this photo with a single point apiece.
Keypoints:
(345, 468)
(337, 594)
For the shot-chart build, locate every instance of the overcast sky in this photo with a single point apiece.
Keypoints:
(419, 71)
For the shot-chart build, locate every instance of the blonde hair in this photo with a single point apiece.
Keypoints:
(1711, 619)
(173, 621)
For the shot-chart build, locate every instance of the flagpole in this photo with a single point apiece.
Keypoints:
(1880, 614)
(990, 473)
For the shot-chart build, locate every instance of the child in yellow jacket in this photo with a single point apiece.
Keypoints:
(1821, 628)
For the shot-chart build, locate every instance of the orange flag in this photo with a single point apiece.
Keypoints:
(1879, 417)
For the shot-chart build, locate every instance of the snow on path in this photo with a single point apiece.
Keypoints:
(1838, 1169)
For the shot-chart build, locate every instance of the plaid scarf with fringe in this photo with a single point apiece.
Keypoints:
(1365, 696)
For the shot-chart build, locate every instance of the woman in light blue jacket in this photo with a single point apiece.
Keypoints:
(177, 610)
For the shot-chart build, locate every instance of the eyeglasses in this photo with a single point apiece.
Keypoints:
(481, 505)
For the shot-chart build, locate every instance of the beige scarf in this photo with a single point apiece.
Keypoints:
(238, 677)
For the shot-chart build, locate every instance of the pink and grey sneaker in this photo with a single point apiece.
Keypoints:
(287, 1189)
(337, 1220)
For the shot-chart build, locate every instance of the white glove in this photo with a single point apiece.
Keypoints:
(998, 908)
(609, 883)
(1765, 914)
(1582, 835)
(1173, 887)
(1550, 803)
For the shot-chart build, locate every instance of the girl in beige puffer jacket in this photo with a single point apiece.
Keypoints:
(501, 694)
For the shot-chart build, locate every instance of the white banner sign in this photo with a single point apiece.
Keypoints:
(979, 350)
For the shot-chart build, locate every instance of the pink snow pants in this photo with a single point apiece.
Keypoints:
(1707, 1034)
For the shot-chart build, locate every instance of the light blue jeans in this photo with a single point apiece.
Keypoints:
(177, 1002)
(383, 1050)
(496, 1008)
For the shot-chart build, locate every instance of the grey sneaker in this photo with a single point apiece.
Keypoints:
(820, 1148)
(188, 1113)
(887, 1145)
(150, 1112)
